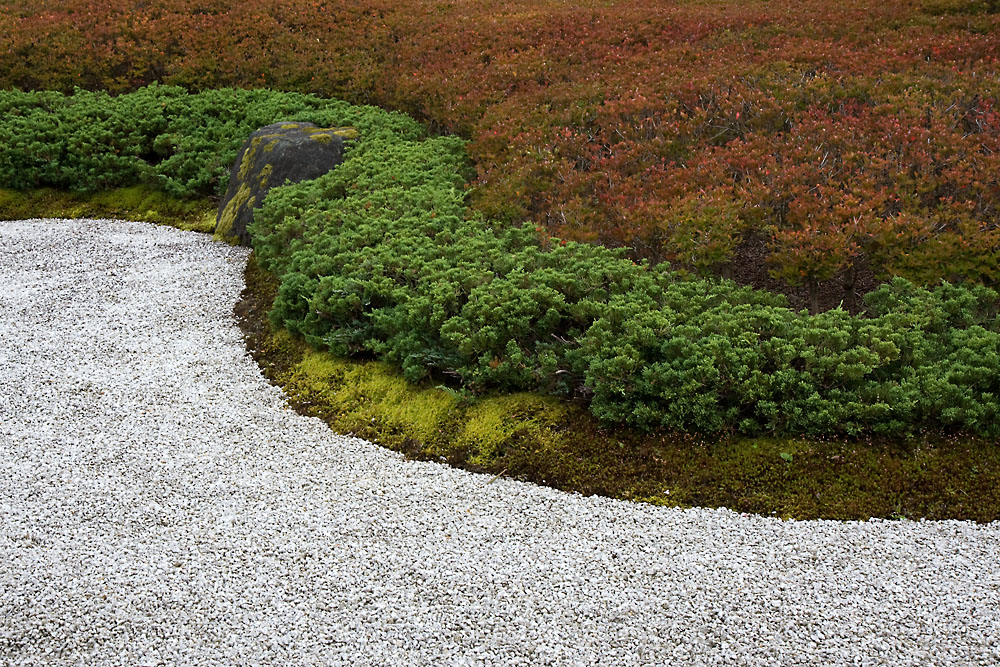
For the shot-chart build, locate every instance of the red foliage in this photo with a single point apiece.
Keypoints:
(846, 133)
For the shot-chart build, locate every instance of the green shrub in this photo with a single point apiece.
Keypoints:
(380, 260)
(381, 257)
(921, 357)
(183, 143)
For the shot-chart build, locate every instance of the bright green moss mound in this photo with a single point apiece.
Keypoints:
(138, 202)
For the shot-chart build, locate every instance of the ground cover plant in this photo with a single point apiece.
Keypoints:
(816, 148)
(161, 136)
(381, 258)
(540, 439)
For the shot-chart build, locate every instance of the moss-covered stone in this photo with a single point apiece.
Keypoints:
(272, 156)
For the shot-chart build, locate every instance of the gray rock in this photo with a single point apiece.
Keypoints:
(274, 154)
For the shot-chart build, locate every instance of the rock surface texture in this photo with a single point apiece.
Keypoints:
(160, 504)
(273, 154)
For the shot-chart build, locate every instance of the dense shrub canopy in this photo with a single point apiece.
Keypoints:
(383, 263)
(184, 143)
(381, 257)
(815, 139)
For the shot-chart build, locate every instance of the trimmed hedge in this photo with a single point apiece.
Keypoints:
(381, 257)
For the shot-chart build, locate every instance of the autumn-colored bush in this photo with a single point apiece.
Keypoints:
(843, 138)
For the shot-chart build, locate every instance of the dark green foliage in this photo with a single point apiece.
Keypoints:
(381, 258)
(383, 261)
(184, 143)
(921, 358)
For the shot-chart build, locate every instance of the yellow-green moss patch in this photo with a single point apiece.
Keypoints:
(140, 202)
(347, 132)
(247, 158)
(227, 218)
(265, 175)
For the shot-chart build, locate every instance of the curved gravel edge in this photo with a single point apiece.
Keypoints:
(160, 504)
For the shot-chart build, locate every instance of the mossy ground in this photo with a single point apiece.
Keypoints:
(138, 202)
(541, 439)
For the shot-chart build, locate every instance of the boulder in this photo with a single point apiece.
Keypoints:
(271, 156)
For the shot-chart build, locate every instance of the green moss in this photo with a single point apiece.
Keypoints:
(227, 218)
(139, 202)
(347, 132)
(355, 396)
(265, 175)
(325, 135)
(248, 156)
(493, 425)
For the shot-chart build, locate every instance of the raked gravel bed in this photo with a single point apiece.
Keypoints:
(160, 504)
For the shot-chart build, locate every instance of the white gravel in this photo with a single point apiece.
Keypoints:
(159, 504)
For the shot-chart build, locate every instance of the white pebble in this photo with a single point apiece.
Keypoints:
(160, 505)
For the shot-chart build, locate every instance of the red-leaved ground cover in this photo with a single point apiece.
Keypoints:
(811, 146)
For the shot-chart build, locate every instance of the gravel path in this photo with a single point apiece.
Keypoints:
(159, 504)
